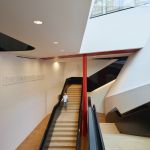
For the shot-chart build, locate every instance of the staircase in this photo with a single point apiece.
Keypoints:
(114, 140)
(63, 133)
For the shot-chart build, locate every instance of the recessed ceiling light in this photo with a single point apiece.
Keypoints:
(55, 42)
(38, 22)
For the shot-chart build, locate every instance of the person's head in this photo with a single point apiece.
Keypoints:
(65, 93)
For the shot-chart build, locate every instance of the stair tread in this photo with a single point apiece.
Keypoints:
(71, 106)
(126, 142)
(64, 129)
(66, 121)
(61, 148)
(71, 133)
(63, 139)
(109, 128)
(62, 144)
(65, 125)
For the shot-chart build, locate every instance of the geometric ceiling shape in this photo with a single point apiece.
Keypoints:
(8, 43)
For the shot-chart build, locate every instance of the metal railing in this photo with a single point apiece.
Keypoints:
(103, 7)
(78, 143)
(68, 82)
(94, 133)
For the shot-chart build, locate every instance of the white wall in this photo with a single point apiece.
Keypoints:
(96, 65)
(132, 86)
(54, 78)
(121, 30)
(27, 94)
(74, 68)
(98, 96)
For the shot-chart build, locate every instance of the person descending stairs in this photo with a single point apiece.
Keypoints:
(63, 133)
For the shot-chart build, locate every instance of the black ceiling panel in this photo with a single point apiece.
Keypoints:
(8, 43)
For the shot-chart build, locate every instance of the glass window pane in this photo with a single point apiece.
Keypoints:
(127, 4)
(97, 9)
(140, 2)
(112, 5)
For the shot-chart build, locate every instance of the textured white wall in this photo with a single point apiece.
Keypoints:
(74, 68)
(22, 100)
(28, 90)
(132, 86)
(121, 30)
(54, 81)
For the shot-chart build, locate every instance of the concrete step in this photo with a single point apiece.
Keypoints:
(74, 100)
(58, 148)
(64, 129)
(71, 95)
(74, 90)
(109, 128)
(69, 111)
(74, 94)
(69, 121)
(71, 107)
(77, 101)
(68, 116)
(62, 144)
(65, 125)
(63, 139)
(65, 134)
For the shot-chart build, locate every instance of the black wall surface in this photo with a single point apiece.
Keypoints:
(105, 75)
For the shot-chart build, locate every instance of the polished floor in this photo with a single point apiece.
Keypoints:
(32, 142)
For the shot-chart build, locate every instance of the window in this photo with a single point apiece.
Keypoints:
(98, 8)
(102, 7)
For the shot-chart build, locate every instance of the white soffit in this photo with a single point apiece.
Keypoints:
(63, 21)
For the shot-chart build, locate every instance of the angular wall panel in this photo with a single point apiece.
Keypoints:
(132, 86)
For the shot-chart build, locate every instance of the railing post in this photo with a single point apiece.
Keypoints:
(84, 102)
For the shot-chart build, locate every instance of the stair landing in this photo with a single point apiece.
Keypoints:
(114, 140)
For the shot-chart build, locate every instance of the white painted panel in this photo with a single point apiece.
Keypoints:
(98, 96)
(28, 91)
(74, 68)
(121, 30)
(97, 65)
(132, 85)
